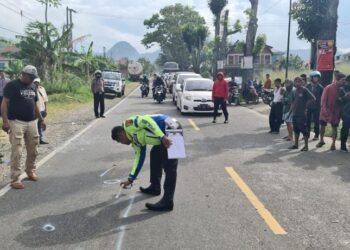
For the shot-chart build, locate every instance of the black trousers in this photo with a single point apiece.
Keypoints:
(160, 161)
(275, 117)
(0, 104)
(344, 134)
(99, 102)
(313, 115)
(217, 103)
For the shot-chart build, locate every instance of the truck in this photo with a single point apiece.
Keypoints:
(135, 70)
(114, 82)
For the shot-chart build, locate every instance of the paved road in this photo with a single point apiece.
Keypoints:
(239, 188)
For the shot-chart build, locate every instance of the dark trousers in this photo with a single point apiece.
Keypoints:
(217, 103)
(160, 161)
(40, 127)
(0, 104)
(313, 115)
(275, 118)
(344, 134)
(99, 101)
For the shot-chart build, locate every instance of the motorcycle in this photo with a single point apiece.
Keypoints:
(144, 90)
(268, 96)
(233, 95)
(159, 94)
(259, 89)
(250, 95)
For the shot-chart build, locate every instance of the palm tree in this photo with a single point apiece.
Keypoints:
(85, 61)
(216, 7)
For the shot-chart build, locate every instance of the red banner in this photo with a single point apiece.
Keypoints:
(325, 55)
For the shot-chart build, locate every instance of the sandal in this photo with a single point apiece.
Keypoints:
(304, 149)
(320, 144)
(333, 148)
(293, 147)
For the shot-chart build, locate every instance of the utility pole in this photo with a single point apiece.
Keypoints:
(104, 51)
(69, 17)
(288, 42)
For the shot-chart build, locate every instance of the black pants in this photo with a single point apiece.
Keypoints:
(344, 134)
(0, 104)
(99, 101)
(276, 115)
(217, 103)
(160, 161)
(313, 115)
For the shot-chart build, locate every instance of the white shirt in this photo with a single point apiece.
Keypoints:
(42, 98)
(277, 95)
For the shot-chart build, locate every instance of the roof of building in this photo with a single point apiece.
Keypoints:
(267, 50)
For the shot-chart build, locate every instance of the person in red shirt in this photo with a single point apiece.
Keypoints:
(220, 96)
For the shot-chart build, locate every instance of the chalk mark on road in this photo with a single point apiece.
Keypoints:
(264, 213)
(121, 229)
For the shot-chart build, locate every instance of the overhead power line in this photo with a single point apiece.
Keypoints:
(13, 5)
(10, 30)
(15, 11)
(110, 16)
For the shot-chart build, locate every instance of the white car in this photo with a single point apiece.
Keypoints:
(179, 80)
(196, 96)
(114, 82)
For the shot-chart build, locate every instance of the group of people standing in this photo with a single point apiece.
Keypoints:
(303, 105)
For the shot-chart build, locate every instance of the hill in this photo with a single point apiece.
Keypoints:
(124, 49)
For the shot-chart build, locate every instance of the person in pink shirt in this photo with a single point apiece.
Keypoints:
(330, 109)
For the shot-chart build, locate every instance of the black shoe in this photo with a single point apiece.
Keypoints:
(150, 190)
(43, 142)
(161, 206)
(226, 121)
(102, 116)
(343, 148)
(97, 116)
(214, 121)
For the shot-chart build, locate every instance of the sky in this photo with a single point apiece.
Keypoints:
(109, 21)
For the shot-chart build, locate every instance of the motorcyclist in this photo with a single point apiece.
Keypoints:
(158, 82)
(145, 80)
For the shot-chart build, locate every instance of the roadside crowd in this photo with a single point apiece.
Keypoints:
(304, 106)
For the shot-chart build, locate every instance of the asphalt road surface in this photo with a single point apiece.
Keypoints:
(239, 188)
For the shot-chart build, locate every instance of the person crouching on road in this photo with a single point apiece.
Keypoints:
(301, 97)
(344, 101)
(98, 89)
(287, 103)
(20, 113)
(330, 110)
(42, 103)
(140, 131)
(220, 95)
(276, 112)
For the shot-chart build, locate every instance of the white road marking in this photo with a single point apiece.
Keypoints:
(123, 227)
(7, 188)
(105, 172)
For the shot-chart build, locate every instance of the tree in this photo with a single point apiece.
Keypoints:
(148, 67)
(49, 3)
(216, 7)
(166, 31)
(42, 46)
(194, 38)
(317, 20)
(85, 61)
(295, 62)
(250, 37)
(227, 31)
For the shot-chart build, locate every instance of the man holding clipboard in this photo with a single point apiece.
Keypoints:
(142, 130)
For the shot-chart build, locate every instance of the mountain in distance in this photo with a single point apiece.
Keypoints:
(124, 49)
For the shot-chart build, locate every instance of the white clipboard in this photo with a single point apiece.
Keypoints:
(177, 149)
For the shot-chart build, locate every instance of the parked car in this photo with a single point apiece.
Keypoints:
(196, 96)
(179, 79)
(114, 82)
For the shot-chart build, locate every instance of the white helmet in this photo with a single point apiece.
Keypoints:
(98, 72)
(30, 70)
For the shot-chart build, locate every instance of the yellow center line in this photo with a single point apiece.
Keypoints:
(193, 124)
(264, 213)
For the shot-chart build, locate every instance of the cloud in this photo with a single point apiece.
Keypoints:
(109, 21)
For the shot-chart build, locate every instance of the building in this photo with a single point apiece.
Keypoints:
(5, 58)
(345, 58)
(264, 61)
